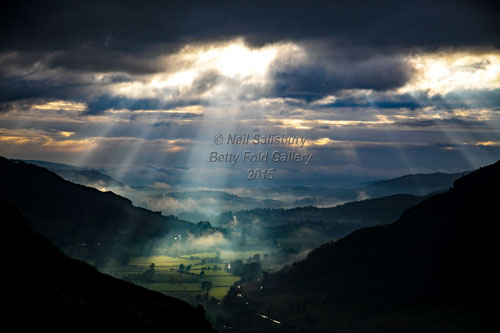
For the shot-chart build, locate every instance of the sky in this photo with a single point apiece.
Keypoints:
(379, 88)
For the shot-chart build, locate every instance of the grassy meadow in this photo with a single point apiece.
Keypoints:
(186, 284)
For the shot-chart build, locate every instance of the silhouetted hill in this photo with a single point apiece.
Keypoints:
(49, 291)
(79, 218)
(430, 271)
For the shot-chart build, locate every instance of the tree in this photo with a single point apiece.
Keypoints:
(248, 272)
(149, 273)
(256, 257)
(181, 267)
(235, 267)
(251, 271)
(202, 274)
(206, 285)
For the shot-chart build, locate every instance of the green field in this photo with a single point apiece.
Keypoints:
(187, 286)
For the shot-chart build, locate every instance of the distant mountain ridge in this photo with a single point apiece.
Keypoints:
(205, 205)
(417, 184)
(304, 196)
(378, 210)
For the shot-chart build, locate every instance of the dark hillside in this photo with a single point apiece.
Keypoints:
(70, 215)
(432, 270)
(49, 291)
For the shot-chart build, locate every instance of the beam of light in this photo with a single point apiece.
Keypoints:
(453, 137)
(388, 133)
(240, 68)
(449, 76)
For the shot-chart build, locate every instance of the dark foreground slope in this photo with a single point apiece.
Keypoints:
(70, 215)
(430, 271)
(50, 292)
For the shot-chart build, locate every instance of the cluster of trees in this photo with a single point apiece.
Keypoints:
(185, 269)
(247, 271)
(214, 260)
(214, 267)
(205, 286)
(255, 257)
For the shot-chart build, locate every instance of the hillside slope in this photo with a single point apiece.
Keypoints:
(430, 271)
(57, 293)
(69, 214)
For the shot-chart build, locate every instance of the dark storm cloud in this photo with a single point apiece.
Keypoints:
(146, 26)
(381, 101)
(105, 102)
(329, 72)
(454, 122)
(12, 89)
(18, 93)
(94, 59)
(351, 44)
(161, 124)
(116, 24)
(458, 99)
